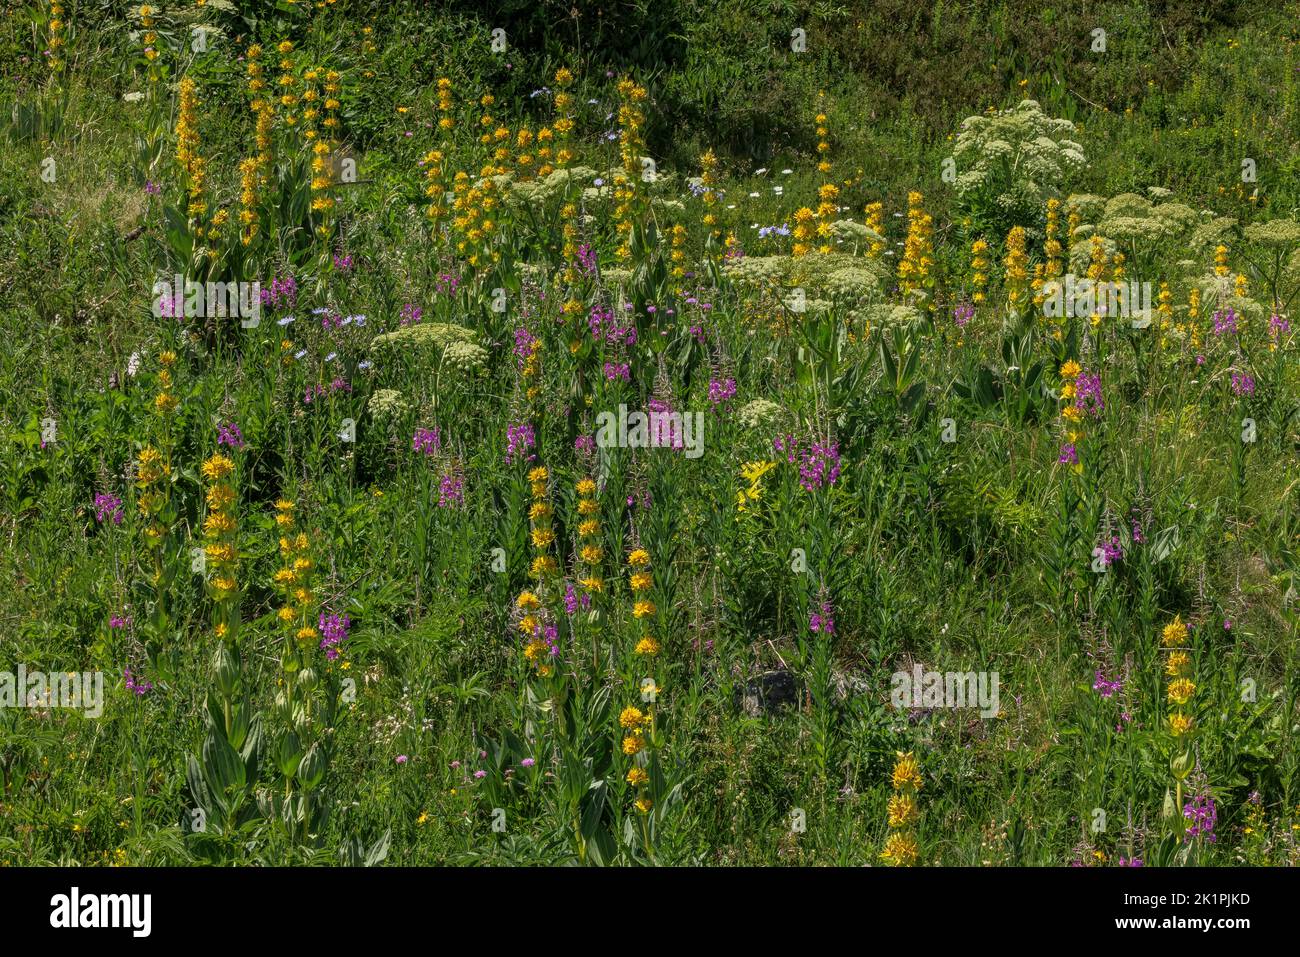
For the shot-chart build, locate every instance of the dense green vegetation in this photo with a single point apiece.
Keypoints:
(368, 576)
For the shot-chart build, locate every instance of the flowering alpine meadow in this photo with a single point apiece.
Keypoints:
(599, 414)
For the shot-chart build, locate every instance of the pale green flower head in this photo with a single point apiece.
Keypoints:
(385, 405)
(758, 412)
(1089, 206)
(1282, 233)
(466, 357)
(425, 339)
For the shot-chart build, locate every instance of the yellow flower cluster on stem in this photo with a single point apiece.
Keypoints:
(631, 145)
(474, 201)
(192, 164)
(590, 553)
(149, 37)
(1016, 265)
(823, 145)
(805, 230)
(1178, 695)
(293, 583)
(486, 120)
(1098, 270)
(533, 621)
(435, 186)
(286, 82)
(57, 40)
(260, 104)
(875, 214)
(752, 473)
(914, 271)
(446, 105)
(563, 125)
(322, 187)
(828, 192)
(1165, 306)
(368, 49)
(1178, 668)
(709, 193)
(1070, 411)
(1052, 244)
(332, 88)
(635, 724)
(311, 105)
(153, 472)
(641, 581)
(637, 728)
(255, 70)
(542, 536)
(248, 182)
(220, 534)
(563, 133)
(979, 270)
(901, 848)
(1193, 312)
(1221, 260)
(677, 255)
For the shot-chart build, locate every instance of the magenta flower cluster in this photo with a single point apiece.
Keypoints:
(108, 507)
(334, 631)
(819, 464)
(519, 439)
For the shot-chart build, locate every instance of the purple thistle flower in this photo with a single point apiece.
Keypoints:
(1225, 321)
(334, 631)
(519, 439)
(282, 293)
(108, 506)
(721, 391)
(451, 491)
(1107, 689)
(411, 314)
(823, 619)
(524, 342)
(137, 687)
(230, 435)
(428, 441)
(1087, 393)
(1201, 811)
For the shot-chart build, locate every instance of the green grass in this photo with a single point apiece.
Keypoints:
(974, 555)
